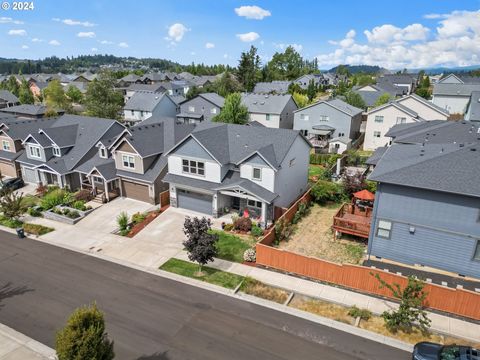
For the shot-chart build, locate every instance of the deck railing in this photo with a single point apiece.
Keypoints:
(358, 223)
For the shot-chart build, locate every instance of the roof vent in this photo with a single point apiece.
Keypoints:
(461, 145)
(255, 102)
(473, 149)
(266, 96)
(262, 103)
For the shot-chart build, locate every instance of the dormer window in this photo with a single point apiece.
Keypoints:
(34, 151)
(6, 145)
(103, 152)
(56, 151)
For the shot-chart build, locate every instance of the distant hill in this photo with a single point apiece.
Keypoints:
(367, 69)
(442, 70)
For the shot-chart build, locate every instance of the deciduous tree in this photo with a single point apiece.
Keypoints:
(200, 242)
(55, 97)
(383, 99)
(355, 99)
(101, 98)
(233, 111)
(24, 94)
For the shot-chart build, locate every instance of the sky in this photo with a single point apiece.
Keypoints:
(391, 34)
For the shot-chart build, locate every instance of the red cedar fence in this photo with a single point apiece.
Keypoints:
(456, 301)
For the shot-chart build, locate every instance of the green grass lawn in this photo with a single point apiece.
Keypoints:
(230, 247)
(212, 276)
(315, 170)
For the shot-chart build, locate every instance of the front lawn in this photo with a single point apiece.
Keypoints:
(231, 247)
(210, 275)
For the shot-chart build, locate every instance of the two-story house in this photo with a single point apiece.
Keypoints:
(406, 81)
(202, 107)
(31, 111)
(273, 111)
(7, 99)
(144, 104)
(138, 157)
(220, 168)
(408, 109)
(453, 92)
(272, 87)
(329, 125)
(56, 149)
(426, 210)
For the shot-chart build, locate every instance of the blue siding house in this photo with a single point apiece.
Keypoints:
(427, 205)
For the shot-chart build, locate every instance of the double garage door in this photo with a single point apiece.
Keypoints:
(135, 191)
(201, 203)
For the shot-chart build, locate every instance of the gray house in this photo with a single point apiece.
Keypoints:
(275, 111)
(473, 107)
(272, 87)
(144, 104)
(252, 169)
(202, 107)
(329, 125)
(426, 209)
(7, 99)
(453, 92)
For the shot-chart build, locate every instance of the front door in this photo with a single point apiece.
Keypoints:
(235, 203)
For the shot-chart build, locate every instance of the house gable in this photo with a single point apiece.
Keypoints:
(191, 148)
(125, 146)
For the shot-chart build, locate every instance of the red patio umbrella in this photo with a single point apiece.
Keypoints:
(364, 195)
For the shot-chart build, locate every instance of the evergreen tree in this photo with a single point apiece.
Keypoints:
(311, 90)
(227, 84)
(248, 71)
(192, 92)
(101, 98)
(233, 112)
(355, 99)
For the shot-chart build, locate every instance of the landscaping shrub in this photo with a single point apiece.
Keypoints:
(30, 201)
(11, 223)
(371, 186)
(250, 255)
(66, 211)
(243, 224)
(52, 199)
(137, 218)
(326, 191)
(257, 231)
(283, 230)
(84, 195)
(79, 205)
(122, 221)
(35, 211)
(303, 209)
(228, 227)
(36, 229)
(41, 190)
(363, 314)
(73, 214)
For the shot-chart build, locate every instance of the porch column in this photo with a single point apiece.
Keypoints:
(105, 184)
(60, 180)
(94, 189)
(81, 183)
(264, 213)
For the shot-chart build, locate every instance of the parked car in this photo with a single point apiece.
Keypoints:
(11, 184)
(433, 351)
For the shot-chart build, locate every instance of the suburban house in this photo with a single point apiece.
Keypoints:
(135, 159)
(426, 209)
(272, 87)
(473, 107)
(144, 104)
(252, 169)
(408, 82)
(329, 125)
(128, 80)
(202, 107)
(153, 78)
(453, 92)
(7, 99)
(29, 111)
(304, 80)
(87, 77)
(12, 133)
(133, 88)
(409, 109)
(274, 111)
(37, 87)
(55, 150)
(202, 81)
(371, 93)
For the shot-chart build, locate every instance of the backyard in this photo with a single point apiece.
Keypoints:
(313, 236)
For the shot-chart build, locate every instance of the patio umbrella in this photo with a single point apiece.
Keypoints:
(364, 195)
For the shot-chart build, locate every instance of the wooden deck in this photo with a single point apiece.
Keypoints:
(353, 220)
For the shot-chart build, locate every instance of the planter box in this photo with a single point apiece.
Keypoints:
(49, 214)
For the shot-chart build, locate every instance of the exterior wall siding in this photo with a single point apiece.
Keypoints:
(424, 111)
(274, 121)
(454, 104)
(201, 107)
(267, 180)
(212, 168)
(446, 228)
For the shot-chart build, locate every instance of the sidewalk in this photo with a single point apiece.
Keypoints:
(16, 346)
(440, 323)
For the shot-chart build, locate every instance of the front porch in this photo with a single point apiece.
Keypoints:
(103, 190)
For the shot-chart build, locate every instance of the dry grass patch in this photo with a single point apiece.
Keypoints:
(257, 288)
(313, 236)
(375, 323)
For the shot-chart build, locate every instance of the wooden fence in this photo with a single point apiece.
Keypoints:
(164, 198)
(455, 301)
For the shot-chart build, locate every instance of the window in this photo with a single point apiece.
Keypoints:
(379, 119)
(34, 151)
(213, 110)
(384, 229)
(304, 117)
(193, 167)
(256, 173)
(401, 120)
(253, 203)
(292, 162)
(267, 117)
(97, 179)
(103, 152)
(377, 134)
(476, 254)
(141, 113)
(133, 112)
(6, 145)
(191, 108)
(128, 161)
(323, 118)
(56, 151)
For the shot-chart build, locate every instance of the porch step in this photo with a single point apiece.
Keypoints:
(98, 199)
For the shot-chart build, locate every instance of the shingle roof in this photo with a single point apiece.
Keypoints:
(455, 89)
(18, 128)
(27, 109)
(337, 104)
(146, 87)
(376, 156)
(130, 78)
(214, 98)
(265, 104)
(144, 101)
(8, 96)
(278, 87)
(474, 107)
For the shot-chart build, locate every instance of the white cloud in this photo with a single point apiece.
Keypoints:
(37, 40)
(19, 32)
(176, 32)
(94, 49)
(123, 45)
(88, 34)
(248, 37)
(454, 42)
(435, 16)
(75, 22)
(106, 42)
(225, 56)
(54, 42)
(209, 45)
(252, 12)
(9, 20)
(281, 46)
(24, 47)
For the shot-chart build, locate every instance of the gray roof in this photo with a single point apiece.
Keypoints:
(214, 98)
(130, 78)
(177, 99)
(146, 87)
(399, 78)
(376, 156)
(466, 79)
(265, 104)
(144, 101)
(455, 89)
(80, 85)
(337, 104)
(10, 156)
(425, 102)
(277, 87)
(26, 109)
(18, 128)
(8, 97)
(398, 106)
(474, 107)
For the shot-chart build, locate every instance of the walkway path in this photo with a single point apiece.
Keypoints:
(16, 346)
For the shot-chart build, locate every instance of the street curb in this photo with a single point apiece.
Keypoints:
(261, 302)
(30, 343)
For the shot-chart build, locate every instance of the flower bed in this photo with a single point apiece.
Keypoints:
(142, 222)
(66, 214)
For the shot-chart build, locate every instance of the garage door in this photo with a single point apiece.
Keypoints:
(194, 201)
(8, 169)
(29, 175)
(135, 191)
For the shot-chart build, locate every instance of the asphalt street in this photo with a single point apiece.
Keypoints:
(150, 317)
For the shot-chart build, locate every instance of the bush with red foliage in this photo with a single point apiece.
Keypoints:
(243, 224)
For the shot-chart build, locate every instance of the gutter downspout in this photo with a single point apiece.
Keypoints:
(374, 217)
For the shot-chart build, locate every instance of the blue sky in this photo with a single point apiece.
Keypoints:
(417, 33)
